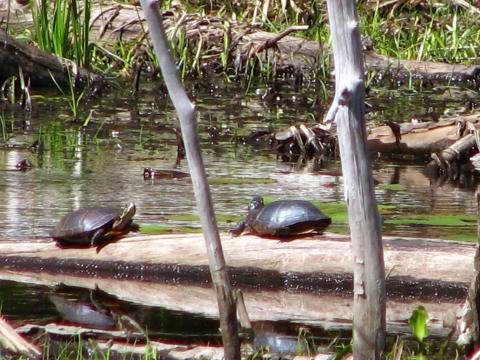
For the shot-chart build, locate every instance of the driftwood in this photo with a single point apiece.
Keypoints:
(116, 23)
(314, 272)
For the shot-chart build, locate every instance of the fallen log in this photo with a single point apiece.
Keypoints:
(119, 22)
(406, 138)
(314, 272)
(39, 67)
(327, 256)
(419, 139)
(289, 53)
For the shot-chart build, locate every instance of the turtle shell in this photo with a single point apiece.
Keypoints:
(289, 217)
(79, 226)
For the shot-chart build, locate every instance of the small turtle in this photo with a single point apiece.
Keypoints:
(282, 218)
(93, 225)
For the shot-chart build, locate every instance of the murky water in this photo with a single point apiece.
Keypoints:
(102, 164)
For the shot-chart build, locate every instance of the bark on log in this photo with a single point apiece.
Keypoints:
(39, 66)
(430, 264)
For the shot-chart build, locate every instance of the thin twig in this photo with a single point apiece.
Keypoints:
(273, 41)
(187, 115)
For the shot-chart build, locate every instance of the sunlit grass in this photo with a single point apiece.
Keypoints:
(63, 28)
(445, 33)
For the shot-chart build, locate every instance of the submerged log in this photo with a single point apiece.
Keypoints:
(166, 350)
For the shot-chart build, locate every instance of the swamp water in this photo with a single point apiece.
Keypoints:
(102, 164)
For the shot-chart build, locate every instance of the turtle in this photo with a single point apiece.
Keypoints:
(282, 218)
(92, 225)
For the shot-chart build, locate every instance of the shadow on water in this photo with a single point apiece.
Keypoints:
(102, 164)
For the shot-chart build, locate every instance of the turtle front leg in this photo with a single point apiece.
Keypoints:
(237, 229)
(97, 237)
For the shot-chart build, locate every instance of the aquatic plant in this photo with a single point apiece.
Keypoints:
(74, 96)
(63, 28)
(418, 323)
(17, 95)
(3, 124)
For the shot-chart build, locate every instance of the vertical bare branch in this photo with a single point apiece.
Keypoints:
(187, 113)
(364, 219)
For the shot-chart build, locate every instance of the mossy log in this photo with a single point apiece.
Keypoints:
(305, 280)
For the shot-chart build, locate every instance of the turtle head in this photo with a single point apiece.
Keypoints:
(255, 205)
(126, 217)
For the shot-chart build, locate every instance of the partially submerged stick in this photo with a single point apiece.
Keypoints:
(186, 113)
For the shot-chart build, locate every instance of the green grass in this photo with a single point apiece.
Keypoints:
(444, 33)
(63, 28)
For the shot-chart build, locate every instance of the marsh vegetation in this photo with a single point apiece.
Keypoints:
(91, 148)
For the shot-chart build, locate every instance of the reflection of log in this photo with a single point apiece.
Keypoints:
(37, 65)
(330, 311)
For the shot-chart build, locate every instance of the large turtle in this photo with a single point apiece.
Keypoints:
(93, 225)
(282, 218)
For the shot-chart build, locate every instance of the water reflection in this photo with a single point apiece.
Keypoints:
(102, 164)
